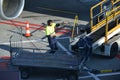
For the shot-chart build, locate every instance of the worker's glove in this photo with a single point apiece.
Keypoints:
(57, 25)
(43, 24)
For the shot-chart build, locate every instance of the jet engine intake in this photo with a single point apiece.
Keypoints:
(11, 9)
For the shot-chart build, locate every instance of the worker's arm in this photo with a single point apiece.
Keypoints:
(58, 24)
(61, 24)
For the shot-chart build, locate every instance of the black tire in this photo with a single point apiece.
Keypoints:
(24, 74)
(114, 50)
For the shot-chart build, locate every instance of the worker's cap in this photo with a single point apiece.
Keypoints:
(49, 21)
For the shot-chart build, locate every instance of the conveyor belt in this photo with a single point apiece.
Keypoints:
(101, 31)
(114, 38)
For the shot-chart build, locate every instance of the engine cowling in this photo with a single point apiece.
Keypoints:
(11, 9)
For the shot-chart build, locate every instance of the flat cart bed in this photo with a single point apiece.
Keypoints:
(60, 61)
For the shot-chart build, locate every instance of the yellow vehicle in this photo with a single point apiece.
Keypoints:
(104, 28)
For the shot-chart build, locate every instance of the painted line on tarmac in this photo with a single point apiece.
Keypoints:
(21, 24)
(32, 26)
(60, 31)
(5, 57)
(55, 10)
(27, 41)
(101, 75)
(34, 40)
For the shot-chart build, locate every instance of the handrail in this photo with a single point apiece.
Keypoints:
(109, 32)
(100, 4)
(117, 23)
(115, 1)
(75, 23)
(91, 11)
(112, 14)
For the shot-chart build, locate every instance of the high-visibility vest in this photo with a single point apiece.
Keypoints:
(50, 29)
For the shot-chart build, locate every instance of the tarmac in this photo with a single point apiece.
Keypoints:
(38, 15)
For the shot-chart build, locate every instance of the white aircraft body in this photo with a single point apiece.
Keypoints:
(11, 9)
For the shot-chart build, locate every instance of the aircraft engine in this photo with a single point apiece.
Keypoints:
(11, 9)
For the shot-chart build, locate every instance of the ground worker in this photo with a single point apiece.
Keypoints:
(83, 33)
(50, 33)
(85, 47)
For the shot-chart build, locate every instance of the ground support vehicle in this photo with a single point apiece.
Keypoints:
(104, 28)
(30, 60)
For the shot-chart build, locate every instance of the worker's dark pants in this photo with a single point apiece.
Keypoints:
(85, 53)
(52, 42)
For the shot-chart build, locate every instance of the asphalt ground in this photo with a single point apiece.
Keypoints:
(37, 14)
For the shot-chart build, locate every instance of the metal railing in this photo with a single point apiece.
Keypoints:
(115, 27)
(16, 43)
(75, 24)
(98, 20)
(19, 44)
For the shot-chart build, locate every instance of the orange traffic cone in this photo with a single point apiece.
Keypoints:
(27, 34)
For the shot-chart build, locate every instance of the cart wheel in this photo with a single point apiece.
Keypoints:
(24, 74)
(114, 50)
